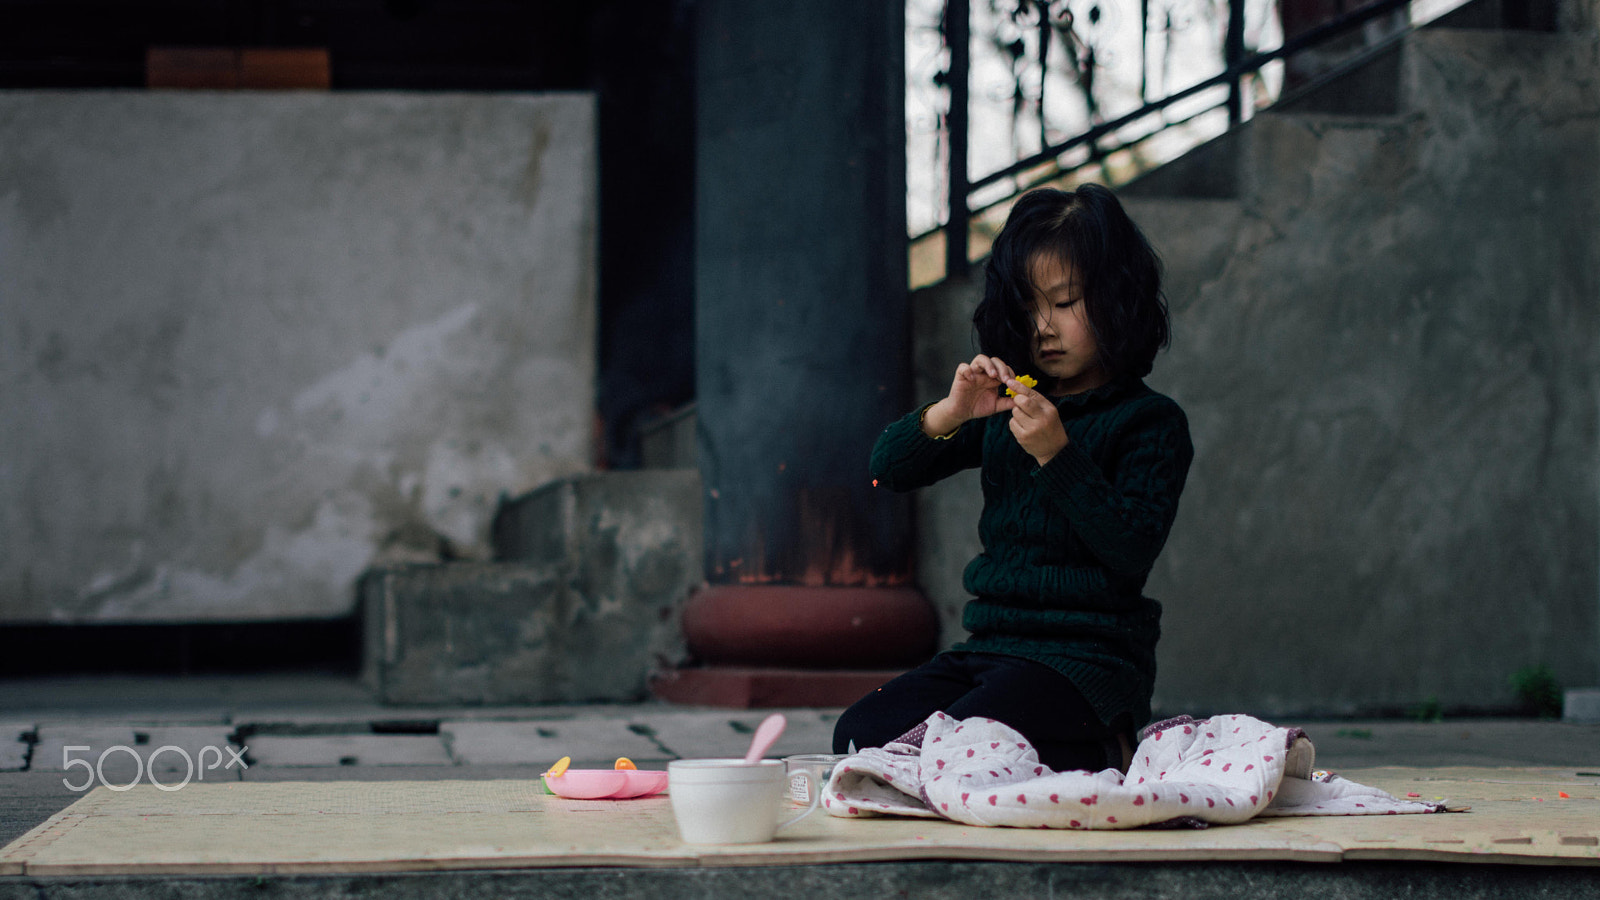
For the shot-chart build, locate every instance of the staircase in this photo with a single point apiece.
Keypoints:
(1384, 293)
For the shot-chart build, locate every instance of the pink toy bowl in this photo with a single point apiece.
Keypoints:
(606, 784)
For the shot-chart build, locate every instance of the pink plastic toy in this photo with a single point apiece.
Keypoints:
(606, 784)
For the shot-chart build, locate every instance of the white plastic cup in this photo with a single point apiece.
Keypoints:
(725, 801)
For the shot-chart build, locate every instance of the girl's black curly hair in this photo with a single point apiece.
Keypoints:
(1119, 270)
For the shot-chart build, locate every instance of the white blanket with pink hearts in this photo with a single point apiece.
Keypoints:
(1185, 773)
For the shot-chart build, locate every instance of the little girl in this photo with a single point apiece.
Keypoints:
(1081, 476)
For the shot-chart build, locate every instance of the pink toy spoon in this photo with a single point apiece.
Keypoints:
(766, 735)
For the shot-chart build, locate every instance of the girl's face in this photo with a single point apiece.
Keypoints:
(1064, 348)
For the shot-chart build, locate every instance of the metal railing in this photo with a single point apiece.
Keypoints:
(1239, 62)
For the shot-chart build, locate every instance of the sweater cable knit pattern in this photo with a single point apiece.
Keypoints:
(1067, 547)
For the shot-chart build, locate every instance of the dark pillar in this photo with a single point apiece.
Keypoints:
(802, 334)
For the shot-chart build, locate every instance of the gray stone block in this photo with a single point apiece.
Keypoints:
(484, 633)
(632, 539)
(467, 633)
(583, 519)
(584, 605)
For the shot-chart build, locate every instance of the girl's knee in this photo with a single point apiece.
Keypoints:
(853, 728)
(871, 722)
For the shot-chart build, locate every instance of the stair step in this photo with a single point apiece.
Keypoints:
(631, 540)
(484, 633)
(583, 603)
(1508, 15)
(579, 522)
(502, 633)
(1371, 87)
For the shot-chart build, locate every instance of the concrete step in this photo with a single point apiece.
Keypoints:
(628, 541)
(1371, 87)
(929, 879)
(503, 633)
(651, 517)
(1508, 15)
(479, 633)
(1376, 120)
(1351, 84)
(581, 605)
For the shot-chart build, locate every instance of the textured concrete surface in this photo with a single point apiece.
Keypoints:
(14, 744)
(583, 605)
(480, 633)
(329, 716)
(628, 542)
(329, 750)
(528, 742)
(332, 728)
(165, 753)
(1385, 344)
(251, 343)
(937, 880)
(1391, 380)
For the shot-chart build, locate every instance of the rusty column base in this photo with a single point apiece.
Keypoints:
(792, 645)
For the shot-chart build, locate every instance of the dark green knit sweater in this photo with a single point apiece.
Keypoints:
(1067, 546)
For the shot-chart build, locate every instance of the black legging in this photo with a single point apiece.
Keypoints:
(1031, 697)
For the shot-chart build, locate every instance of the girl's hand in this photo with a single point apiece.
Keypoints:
(974, 394)
(1036, 423)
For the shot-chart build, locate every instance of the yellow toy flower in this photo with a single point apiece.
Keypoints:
(1028, 380)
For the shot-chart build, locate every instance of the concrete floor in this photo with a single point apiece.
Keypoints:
(327, 728)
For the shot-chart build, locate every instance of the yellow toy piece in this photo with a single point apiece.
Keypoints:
(1028, 380)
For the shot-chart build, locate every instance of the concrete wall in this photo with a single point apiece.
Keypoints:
(252, 343)
(1387, 349)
